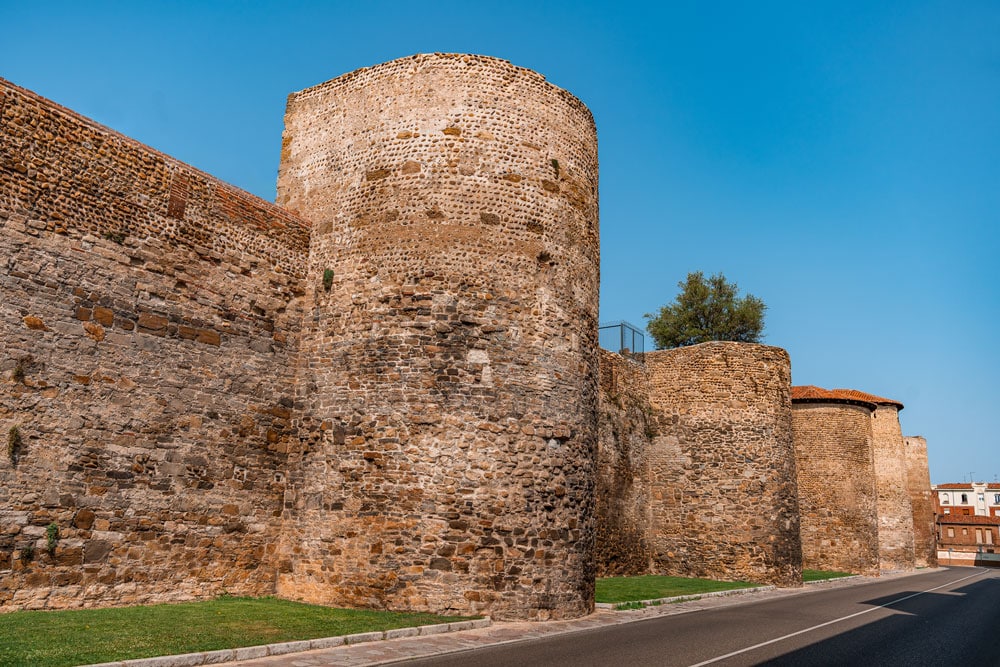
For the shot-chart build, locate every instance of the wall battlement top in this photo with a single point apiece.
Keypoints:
(268, 218)
(417, 61)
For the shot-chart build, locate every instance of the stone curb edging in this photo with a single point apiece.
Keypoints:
(683, 598)
(265, 650)
(826, 581)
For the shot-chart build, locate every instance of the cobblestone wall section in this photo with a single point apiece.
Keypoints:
(452, 354)
(836, 485)
(147, 338)
(918, 484)
(626, 428)
(722, 466)
(895, 512)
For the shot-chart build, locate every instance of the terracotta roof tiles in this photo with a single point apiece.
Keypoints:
(814, 394)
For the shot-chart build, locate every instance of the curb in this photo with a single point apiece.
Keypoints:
(826, 581)
(684, 598)
(265, 650)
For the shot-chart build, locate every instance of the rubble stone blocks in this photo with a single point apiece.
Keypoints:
(449, 363)
(147, 341)
(696, 468)
(895, 512)
(918, 484)
(626, 428)
(721, 464)
(838, 501)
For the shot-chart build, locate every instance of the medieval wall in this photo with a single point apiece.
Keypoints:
(626, 428)
(895, 512)
(918, 484)
(450, 360)
(722, 488)
(146, 360)
(836, 485)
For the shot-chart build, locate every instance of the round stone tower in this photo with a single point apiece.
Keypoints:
(895, 509)
(722, 484)
(449, 356)
(834, 456)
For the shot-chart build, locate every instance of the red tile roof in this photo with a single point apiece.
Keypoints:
(813, 394)
(964, 485)
(976, 519)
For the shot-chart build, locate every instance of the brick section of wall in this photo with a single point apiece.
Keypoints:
(722, 488)
(836, 480)
(626, 428)
(918, 484)
(146, 361)
(895, 512)
(451, 366)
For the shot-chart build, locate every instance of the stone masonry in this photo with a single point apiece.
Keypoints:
(385, 391)
(838, 500)
(701, 441)
(146, 348)
(918, 484)
(895, 512)
(449, 365)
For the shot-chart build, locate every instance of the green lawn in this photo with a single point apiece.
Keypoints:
(84, 636)
(819, 575)
(651, 587)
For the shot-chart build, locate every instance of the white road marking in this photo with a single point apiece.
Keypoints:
(836, 620)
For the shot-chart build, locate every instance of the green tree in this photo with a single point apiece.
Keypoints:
(706, 310)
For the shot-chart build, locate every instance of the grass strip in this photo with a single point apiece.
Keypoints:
(820, 575)
(84, 636)
(651, 587)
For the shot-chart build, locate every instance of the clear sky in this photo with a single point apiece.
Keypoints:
(839, 160)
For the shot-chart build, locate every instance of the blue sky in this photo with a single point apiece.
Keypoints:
(839, 160)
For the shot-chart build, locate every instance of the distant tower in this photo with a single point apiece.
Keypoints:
(449, 359)
(838, 501)
(895, 511)
(921, 500)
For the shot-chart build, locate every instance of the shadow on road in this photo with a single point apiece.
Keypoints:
(939, 628)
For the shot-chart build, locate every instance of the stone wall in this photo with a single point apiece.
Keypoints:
(146, 365)
(895, 512)
(450, 359)
(918, 484)
(836, 485)
(626, 428)
(722, 487)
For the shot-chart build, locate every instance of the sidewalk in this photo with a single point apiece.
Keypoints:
(444, 639)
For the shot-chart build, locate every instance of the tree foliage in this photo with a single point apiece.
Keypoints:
(706, 310)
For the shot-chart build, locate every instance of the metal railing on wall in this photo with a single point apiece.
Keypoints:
(624, 338)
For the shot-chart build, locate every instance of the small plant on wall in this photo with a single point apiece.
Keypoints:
(52, 538)
(27, 553)
(327, 279)
(14, 443)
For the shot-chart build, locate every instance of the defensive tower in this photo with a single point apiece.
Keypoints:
(836, 479)
(722, 484)
(449, 357)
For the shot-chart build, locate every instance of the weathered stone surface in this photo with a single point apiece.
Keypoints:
(722, 464)
(134, 435)
(838, 500)
(454, 353)
(918, 484)
(895, 511)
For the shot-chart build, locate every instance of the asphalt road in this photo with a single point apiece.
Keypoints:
(949, 617)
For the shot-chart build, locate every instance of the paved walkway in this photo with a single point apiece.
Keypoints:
(396, 650)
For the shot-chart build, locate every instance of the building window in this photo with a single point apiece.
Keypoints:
(989, 536)
(947, 510)
(965, 531)
(979, 535)
(944, 500)
(965, 499)
(981, 497)
(996, 498)
(951, 532)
